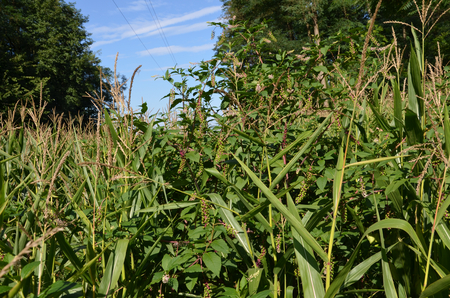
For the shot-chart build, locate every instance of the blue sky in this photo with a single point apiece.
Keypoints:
(186, 32)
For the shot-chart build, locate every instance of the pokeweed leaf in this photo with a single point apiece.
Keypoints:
(212, 262)
(28, 269)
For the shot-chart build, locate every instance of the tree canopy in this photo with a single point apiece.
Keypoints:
(45, 51)
(297, 23)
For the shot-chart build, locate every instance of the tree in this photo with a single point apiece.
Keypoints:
(294, 23)
(44, 51)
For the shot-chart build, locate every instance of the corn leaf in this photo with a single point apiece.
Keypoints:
(289, 216)
(307, 265)
(113, 268)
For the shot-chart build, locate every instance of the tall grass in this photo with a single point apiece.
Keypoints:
(274, 194)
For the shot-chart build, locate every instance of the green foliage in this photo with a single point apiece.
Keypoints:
(44, 53)
(294, 187)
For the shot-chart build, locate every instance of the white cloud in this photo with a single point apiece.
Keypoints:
(184, 65)
(176, 49)
(135, 6)
(140, 5)
(109, 34)
(177, 30)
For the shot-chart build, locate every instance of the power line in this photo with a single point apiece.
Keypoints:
(137, 36)
(161, 31)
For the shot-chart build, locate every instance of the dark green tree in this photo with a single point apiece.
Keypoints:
(44, 51)
(299, 23)
(295, 23)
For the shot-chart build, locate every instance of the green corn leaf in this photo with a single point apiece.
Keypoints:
(318, 216)
(415, 92)
(142, 151)
(263, 294)
(253, 212)
(413, 129)
(170, 206)
(71, 255)
(398, 115)
(365, 162)
(381, 120)
(254, 275)
(244, 135)
(8, 156)
(446, 131)
(393, 194)
(288, 148)
(444, 233)
(436, 287)
(229, 218)
(258, 216)
(285, 258)
(113, 268)
(338, 178)
(85, 172)
(77, 196)
(302, 150)
(290, 292)
(395, 223)
(120, 156)
(67, 250)
(356, 218)
(58, 289)
(358, 271)
(88, 265)
(375, 99)
(388, 282)
(307, 265)
(392, 223)
(149, 253)
(418, 48)
(340, 278)
(289, 216)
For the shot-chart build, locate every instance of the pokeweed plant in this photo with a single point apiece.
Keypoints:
(321, 174)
